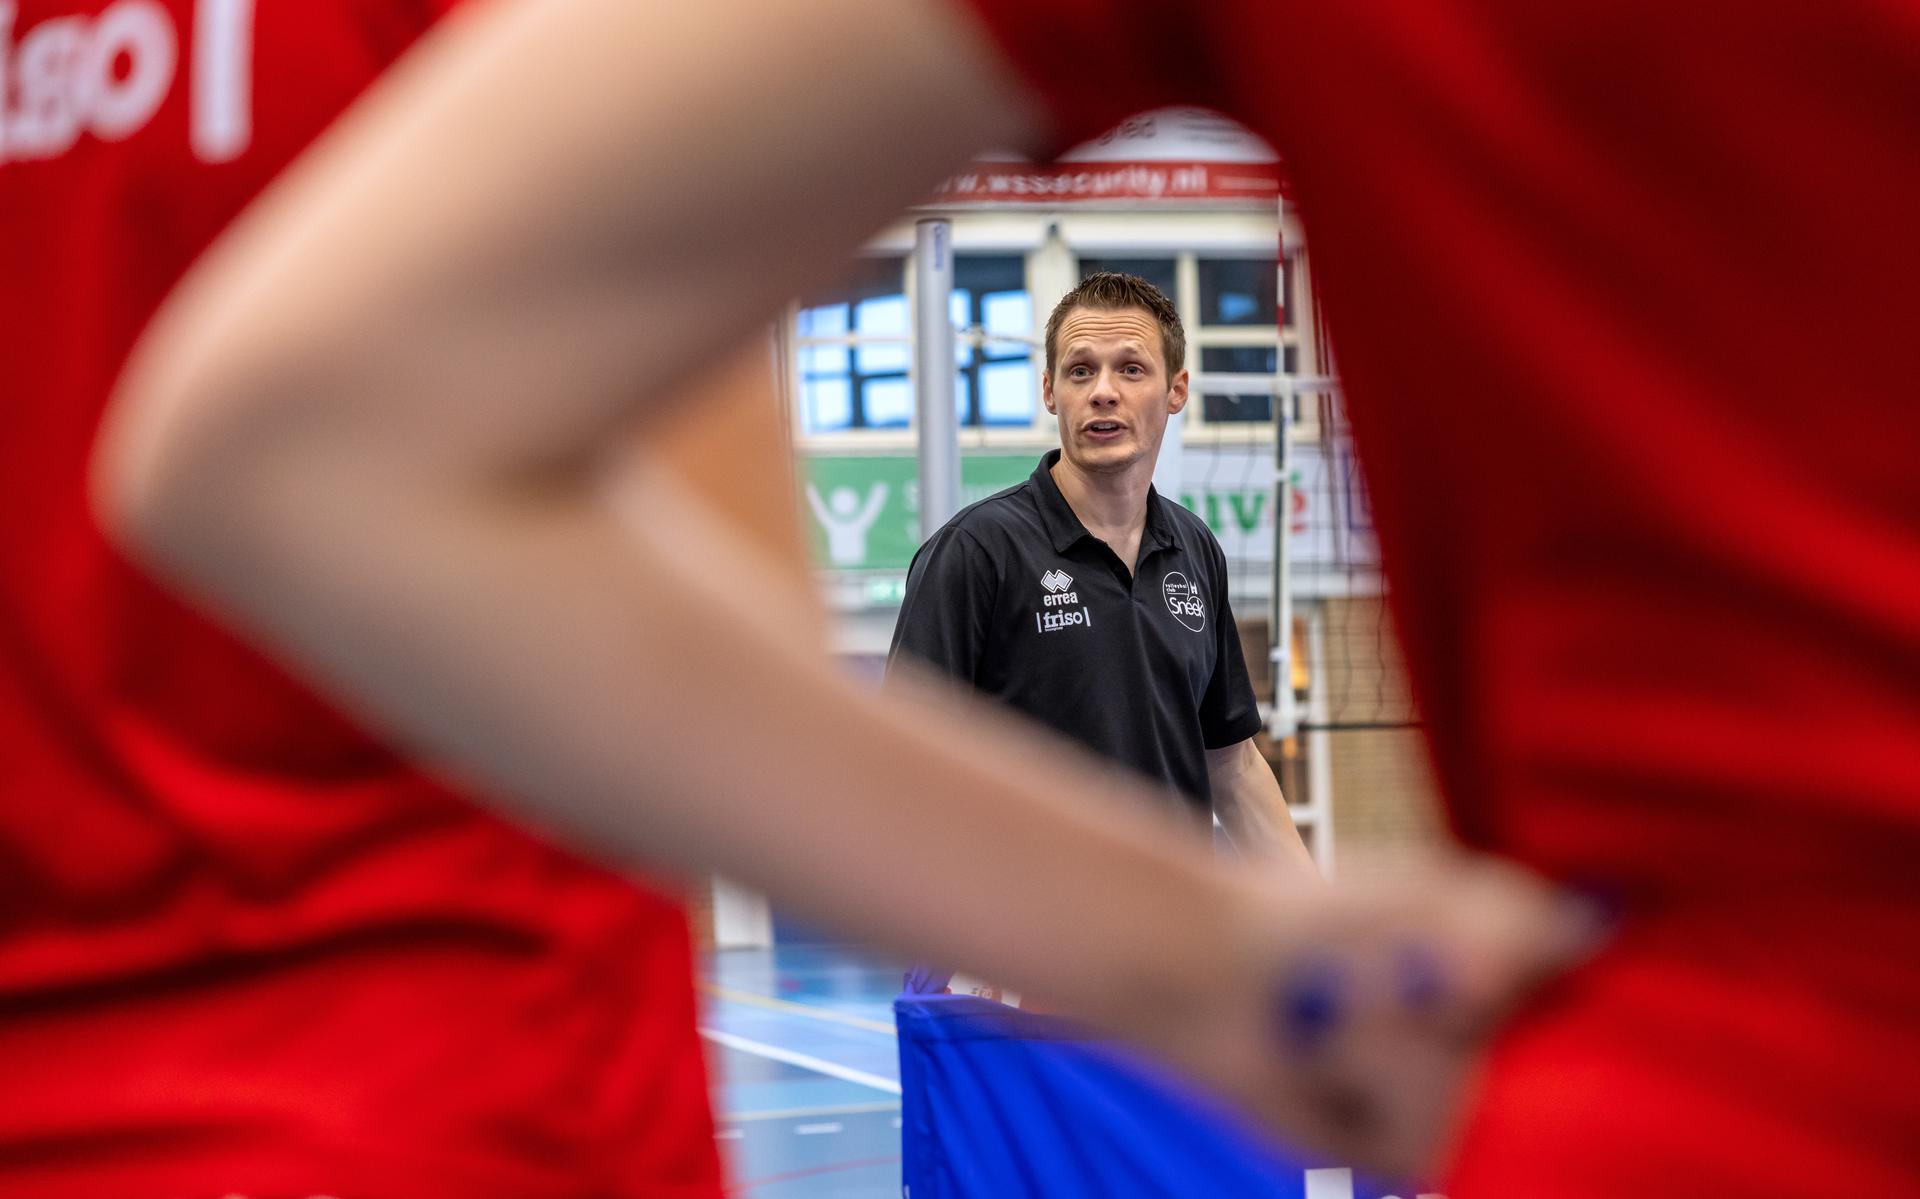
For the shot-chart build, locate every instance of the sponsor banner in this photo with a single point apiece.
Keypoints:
(1172, 155)
(864, 510)
(1074, 182)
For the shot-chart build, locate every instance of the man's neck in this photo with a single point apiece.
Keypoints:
(1112, 506)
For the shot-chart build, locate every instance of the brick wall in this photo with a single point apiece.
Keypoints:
(1384, 799)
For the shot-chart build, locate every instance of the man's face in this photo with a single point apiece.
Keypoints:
(1110, 389)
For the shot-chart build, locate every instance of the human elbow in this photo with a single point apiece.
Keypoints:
(180, 472)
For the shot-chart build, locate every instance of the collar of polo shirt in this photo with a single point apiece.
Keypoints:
(1064, 527)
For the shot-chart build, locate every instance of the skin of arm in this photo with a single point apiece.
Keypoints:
(373, 430)
(1247, 798)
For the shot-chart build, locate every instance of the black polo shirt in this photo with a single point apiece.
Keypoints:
(1014, 596)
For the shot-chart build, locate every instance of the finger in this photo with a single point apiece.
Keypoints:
(1502, 932)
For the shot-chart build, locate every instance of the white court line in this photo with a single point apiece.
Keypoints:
(800, 1113)
(814, 1130)
(802, 1060)
(796, 1009)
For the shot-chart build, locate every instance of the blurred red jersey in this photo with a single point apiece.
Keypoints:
(1624, 296)
(243, 948)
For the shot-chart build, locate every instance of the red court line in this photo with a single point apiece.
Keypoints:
(811, 1171)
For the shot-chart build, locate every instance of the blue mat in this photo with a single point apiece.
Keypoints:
(1003, 1104)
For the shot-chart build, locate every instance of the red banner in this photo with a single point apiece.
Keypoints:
(1257, 183)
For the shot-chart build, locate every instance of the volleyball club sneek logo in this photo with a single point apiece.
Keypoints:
(1183, 600)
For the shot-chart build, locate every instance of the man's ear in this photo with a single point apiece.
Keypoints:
(1177, 394)
(1046, 393)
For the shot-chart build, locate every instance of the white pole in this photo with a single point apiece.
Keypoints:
(933, 371)
(1169, 470)
(1284, 720)
(1319, 746)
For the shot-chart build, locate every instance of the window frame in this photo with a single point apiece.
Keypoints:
(1186, 238)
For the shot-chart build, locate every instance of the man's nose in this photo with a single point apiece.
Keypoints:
(1106, 389)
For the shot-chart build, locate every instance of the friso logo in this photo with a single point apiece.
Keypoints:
(1063, 618)
(109, 74)
(1183, 600)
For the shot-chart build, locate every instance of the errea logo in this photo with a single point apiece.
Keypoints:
(1183, 600)
(1056, 582)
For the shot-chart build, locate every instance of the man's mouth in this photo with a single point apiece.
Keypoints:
(1104, 428)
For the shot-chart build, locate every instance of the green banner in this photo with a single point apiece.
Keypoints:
(865, 509)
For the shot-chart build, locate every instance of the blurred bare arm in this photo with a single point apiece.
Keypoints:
(373, 428)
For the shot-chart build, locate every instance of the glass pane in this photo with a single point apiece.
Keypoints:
(1239, 360)
(1238, 291)
(1224, 409)
(884, 315)
(828, 321)
(960, 308)
(884, 359)
(1157, 271)
(823, 360)
(980, 273)
(888, 402)
(828, 404)
(1009, 313)
(962, 398)
(1008, 391)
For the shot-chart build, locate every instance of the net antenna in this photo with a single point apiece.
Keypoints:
(1284, 720)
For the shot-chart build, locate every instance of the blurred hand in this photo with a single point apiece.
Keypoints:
(1369, 1003)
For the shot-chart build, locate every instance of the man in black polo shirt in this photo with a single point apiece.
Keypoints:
(1085, 600)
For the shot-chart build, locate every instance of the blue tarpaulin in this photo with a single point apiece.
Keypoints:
(1003, 1104)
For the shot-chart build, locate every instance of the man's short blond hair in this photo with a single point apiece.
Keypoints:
(1112, 291)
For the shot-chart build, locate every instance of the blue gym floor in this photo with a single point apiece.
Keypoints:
(806, 1077)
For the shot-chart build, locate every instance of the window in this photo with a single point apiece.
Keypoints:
(1236, 360)
(1219, 407)
(1163, 273)
(854, 348)
(1238, 292)
(1235, 334)
(854, 342)
(993, 310)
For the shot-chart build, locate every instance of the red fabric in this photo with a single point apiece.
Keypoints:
(245, 949)
(1622, 293)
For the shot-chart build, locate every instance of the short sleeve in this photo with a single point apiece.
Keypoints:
(949, 601)
(1148, 52)
(390, 27)
(1228, 712)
